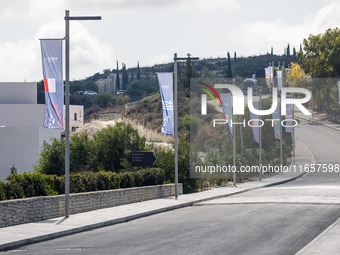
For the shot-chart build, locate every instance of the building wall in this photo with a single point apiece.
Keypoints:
(20, 147)
(18, 92)
(21, 126)
(19, 211)
(76, 116)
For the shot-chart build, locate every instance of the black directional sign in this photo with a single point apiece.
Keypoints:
(143, 158)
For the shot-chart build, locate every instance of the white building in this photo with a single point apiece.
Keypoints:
(21, 126)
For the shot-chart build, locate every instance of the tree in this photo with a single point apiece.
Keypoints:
(296, 75)
(131, 77)
(288, 50)
(140, 89)
(113, 146)
(109, 149)
(294, 51)
(125, 78)
(234, 55)
(117, 78)
(138, 71)
(186, 74)
(229, 71)
(321, 55)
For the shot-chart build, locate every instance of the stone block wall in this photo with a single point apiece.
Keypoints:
(19, 211)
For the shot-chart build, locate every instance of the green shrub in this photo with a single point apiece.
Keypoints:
(138, 178)
(2, 191)
(104, 100)
(153, 176)
(90, 181)
(140, 88)
(59, 184)
(127, 180)
(77, 183)
(103, 180)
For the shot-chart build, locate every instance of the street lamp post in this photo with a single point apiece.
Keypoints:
(176, 119)
(67, 104)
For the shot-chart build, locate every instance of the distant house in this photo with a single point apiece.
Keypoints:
(21, 126)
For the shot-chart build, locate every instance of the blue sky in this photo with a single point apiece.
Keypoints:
(150, 31)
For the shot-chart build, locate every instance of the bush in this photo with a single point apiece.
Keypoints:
(38, 184)
(105, 100)
(59, 184)
(2, 191)
(126, 180)
(109, 149)
(153, 176)
(140, 88)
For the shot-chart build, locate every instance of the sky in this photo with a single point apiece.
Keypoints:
(151, 31)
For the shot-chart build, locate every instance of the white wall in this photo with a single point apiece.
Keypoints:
(18, 92)
(20, 146)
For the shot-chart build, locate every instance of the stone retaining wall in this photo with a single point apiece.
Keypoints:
(18, 211)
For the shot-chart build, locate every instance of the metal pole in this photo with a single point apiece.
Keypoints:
(234, 150)
(293, 137)
(241, 134)
(67, 115)
(176, 126)
(280, 133)
(260, 143)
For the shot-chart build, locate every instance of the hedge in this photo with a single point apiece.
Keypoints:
(38, 184)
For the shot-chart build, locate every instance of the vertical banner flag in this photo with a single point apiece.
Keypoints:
(279, 80)
(271, 73)
(276, 123)
(289, 117)
(267, 76)
(255, 123)
(165, 81)
(227, 110)
(51, 54)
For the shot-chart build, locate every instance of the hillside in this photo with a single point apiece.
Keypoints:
(242, 67)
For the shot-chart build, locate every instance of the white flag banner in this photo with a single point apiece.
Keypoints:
(279, 80)
(227, 110)
(166, 89)
(267, 72)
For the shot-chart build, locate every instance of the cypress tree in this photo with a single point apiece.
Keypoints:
(125, 77)
(131, 77)
(288, 50)
(234, 55)
(229, 72)
(117, 77)
(272, 51)
(138, 71)
(294, 51)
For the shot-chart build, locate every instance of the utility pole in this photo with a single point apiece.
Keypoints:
(176, 118)
(67, 104)
(260, 138)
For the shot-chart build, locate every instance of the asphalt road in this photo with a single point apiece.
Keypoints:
(275, 220)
